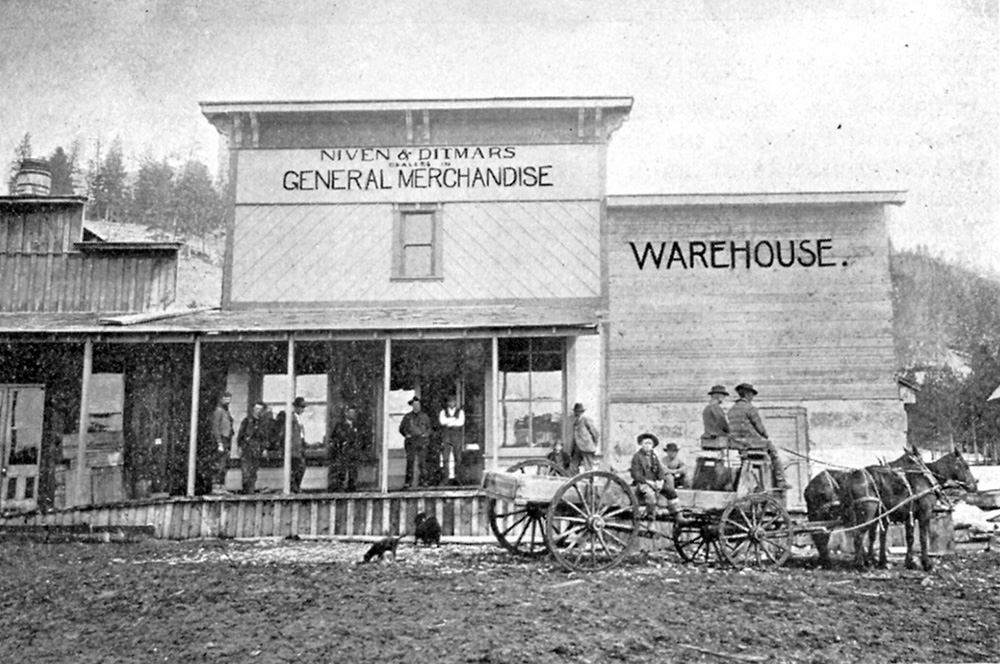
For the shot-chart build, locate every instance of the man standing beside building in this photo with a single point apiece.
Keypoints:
(222, 437)
(749, 433)
(452, 421)
(585, 441)
(255, 433)
(716, 434)
(416, 431)
(346, 452)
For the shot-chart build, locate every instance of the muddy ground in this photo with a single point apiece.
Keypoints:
(308, 601)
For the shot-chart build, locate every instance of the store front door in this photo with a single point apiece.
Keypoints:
(21, 413)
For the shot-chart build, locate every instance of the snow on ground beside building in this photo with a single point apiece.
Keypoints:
(199, 263)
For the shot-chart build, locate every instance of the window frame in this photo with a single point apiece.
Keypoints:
(399, 213)
(508, 447)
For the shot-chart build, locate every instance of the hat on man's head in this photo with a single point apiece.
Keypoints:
(412, 401)
(647, 436)
(299, 403)
(718, 389)
(671, 447)
(745, 387)
(578, 407)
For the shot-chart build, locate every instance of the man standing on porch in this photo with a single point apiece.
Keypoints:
(222, 436)
(297, 456)
(416, 431)
(254, 435)
(585, 441)
(347, 449)
(452, 420)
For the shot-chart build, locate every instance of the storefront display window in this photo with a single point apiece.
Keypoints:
(532, 385)
(312, 388)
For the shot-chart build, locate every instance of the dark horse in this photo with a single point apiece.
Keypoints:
(904, 491)
(822, 496)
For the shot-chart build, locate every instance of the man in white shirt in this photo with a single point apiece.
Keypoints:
(452, 421)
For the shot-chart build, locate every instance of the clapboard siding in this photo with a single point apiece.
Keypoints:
(799, 332)
(342, 253)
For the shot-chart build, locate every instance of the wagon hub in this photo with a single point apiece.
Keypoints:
(595, 523)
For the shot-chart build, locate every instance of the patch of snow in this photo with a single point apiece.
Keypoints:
(979, 520)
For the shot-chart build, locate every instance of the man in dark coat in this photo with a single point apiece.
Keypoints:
(416, 431)
(253, 439)
(347, 449)
(298, 441)
(716, 434)
(650, 479)
(748, 432)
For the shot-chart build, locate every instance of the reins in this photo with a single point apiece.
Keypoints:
(904, 503)
(812, 459)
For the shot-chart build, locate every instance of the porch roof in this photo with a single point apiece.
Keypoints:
(345, 322)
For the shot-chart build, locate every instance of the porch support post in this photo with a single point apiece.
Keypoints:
(82, 495)
(383, 464)
(195, 400)
(495, 407)
(289, 414)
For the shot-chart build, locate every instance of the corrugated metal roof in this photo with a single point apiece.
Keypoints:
(427, 320)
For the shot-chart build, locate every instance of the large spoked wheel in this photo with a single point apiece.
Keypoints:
(698, 542)
(520, 528)
(755, 531)
(592, 522)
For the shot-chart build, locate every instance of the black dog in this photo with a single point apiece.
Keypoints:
(428, 530)
(382, 547)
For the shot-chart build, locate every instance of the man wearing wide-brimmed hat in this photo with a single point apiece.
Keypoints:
(650, 478)
(748, 432)
(585, 441)
(716, 434)
(416, 431)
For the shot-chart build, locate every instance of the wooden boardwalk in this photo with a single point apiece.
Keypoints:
(462, 514)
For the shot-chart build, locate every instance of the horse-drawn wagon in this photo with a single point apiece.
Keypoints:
(591, 522)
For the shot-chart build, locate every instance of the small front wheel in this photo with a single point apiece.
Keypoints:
(696, 543)
(755, 531)
(520, 527)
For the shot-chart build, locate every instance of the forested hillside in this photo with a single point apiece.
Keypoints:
(947, 335)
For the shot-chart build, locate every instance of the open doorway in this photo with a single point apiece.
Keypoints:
(433, 371)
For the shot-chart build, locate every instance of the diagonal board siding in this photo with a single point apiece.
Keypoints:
(796, 332)
(342, 253)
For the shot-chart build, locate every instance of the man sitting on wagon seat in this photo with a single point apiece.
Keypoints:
(650, 479)
(716, 435)
(748, 432)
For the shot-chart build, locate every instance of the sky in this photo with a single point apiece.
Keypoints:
(729, 96)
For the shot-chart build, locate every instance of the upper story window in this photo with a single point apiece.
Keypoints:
(417, 242)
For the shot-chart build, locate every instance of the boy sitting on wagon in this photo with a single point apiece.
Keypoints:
(650, 479)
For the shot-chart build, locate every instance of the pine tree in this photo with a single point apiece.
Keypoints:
(61, 167)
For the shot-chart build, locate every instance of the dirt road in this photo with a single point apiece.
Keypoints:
(310, 602)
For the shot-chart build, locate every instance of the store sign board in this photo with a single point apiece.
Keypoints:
(419, 174)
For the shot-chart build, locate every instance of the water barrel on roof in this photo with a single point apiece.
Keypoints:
(33, 178)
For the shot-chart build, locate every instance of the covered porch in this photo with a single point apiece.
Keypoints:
(122, 411)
